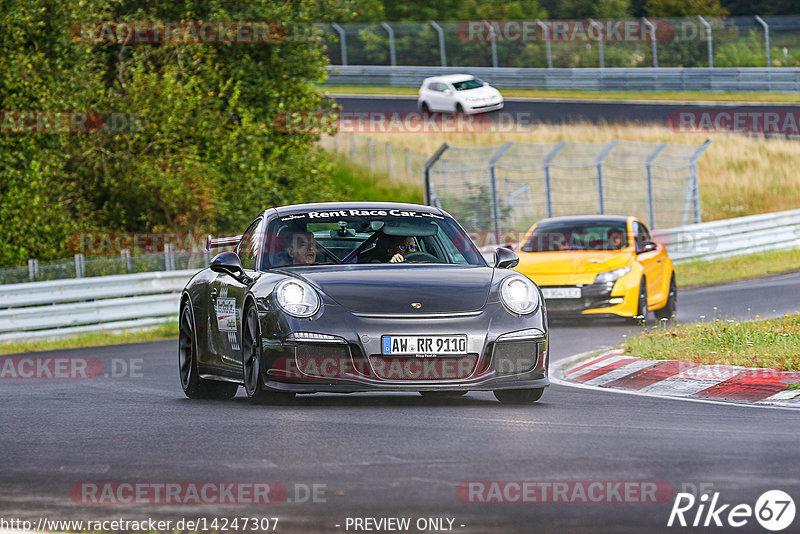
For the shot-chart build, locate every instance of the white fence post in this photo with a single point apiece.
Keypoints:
(33, 269)
(80, 267)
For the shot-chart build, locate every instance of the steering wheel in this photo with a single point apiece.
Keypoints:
(420, 256)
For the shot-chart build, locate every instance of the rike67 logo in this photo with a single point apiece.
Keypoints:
(774, 510)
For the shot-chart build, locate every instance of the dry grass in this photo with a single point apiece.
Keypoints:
(739, 175)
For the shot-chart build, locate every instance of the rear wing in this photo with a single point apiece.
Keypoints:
(222, 242)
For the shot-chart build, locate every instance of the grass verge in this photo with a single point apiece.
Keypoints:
(697, 96)
(709, 272)
(93, 339)
(771, 343)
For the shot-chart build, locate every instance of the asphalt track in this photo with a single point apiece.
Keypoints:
(533, 111)
(398, 455)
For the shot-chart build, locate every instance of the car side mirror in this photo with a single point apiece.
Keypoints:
(446, 91)
(505, 258)
(227, 263)
(648, 247)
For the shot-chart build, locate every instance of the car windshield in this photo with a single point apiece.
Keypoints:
(554, 237)
(346, 236)
(467, 85)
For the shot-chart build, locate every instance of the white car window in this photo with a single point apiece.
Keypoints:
(467, 85)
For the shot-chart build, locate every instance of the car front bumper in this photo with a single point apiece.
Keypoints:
(349, 359)
(613, 299)
(473, 109)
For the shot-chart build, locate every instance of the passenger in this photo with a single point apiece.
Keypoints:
(393, 249)
(302, 249)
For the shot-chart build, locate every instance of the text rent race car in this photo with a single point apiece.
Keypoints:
(599, 264)
(346, 297)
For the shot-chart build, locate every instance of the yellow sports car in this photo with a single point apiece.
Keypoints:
(599, 264)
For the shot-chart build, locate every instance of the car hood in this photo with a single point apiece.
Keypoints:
(570, 267)
(391, 289)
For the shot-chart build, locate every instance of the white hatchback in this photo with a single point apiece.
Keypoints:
(458, 93)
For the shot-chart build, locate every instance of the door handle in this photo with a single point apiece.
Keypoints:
(214, 294)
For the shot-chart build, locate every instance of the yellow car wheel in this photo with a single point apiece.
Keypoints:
(670, 309)
(641, 306)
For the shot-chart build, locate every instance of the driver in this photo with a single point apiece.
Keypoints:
(302, 249)
(615, 240)
(403, 247)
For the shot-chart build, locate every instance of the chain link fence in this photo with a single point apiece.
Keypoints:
(769, 41)
(509, 187)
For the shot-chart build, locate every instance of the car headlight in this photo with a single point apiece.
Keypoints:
(612, 276)
(472, 99)
(296, 298)
(519, 295)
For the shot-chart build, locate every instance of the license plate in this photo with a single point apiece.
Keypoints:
(434, 345)
(561, 292)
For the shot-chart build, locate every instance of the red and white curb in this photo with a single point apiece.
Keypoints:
(672, 378)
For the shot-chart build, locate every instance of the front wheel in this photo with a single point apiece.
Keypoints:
(518, 396)
(251, 362)
(193, 385)
(641, 305)
(670, 309)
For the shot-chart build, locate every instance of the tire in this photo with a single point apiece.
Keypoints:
(193, 386)
(442, 394)
(641, 304)
(257, 393)
(426, 110)
(671, 307)
(459, 109)
(518, 396)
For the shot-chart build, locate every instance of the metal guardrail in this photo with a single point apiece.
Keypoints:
(58, 308)
(739, 79)
(732, 237)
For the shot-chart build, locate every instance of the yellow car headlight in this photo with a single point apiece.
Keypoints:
(612, 276)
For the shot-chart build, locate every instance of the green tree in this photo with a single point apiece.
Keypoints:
(583, 9)
(209, 154)
(684, 8)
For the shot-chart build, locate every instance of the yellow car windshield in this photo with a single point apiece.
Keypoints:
(559, 236)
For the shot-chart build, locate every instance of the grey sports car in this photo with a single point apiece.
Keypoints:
(350, 297)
